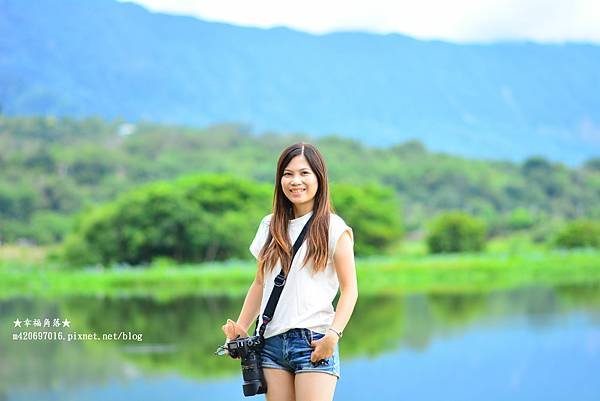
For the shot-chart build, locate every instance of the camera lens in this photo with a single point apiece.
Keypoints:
(254, 381)
(252, 388)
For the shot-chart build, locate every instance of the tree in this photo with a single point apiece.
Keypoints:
(456, 232)
(193, 219)
(373, 212)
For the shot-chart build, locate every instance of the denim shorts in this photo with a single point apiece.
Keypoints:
(291, 351)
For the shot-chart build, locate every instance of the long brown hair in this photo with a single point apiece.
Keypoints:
(278, 246)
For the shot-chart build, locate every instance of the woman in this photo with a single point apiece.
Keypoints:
(300, 357)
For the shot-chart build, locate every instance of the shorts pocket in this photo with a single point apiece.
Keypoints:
(323, 362)
(313, 336)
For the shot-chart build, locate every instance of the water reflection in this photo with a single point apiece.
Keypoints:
(180, 335)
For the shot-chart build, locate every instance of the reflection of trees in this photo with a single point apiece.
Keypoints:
(430, 315)
(584, 297)
(380, 324)
(538, 304)
(419, 324)
(35, 364)
(376, 326)
(456, 310)
(190, 327)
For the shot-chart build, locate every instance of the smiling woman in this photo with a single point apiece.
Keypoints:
(300, 355)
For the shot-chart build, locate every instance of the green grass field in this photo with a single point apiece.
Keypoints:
(24, 274)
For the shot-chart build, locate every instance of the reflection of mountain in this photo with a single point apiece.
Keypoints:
(116, 59)
(191, 326)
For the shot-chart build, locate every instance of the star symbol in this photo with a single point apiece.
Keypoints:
(17, 323)
(66, 323)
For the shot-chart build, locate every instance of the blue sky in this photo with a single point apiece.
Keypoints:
(458, 20)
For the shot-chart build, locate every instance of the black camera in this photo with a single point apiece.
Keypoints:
(248, 349)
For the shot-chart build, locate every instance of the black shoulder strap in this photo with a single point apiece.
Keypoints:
(280, 282)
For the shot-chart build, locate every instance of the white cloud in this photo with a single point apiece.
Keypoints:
(459, 20)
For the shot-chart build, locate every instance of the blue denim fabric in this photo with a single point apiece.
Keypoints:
(291, 351)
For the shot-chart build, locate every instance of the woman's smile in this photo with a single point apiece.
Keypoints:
(297, 191)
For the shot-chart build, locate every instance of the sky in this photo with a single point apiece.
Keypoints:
(456, 20)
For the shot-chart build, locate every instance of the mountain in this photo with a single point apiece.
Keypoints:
(101, 57)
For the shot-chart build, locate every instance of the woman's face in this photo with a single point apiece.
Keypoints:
(299, 184)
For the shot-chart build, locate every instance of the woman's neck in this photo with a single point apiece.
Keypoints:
(301, 210)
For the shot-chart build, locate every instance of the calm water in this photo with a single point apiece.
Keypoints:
(524, 344)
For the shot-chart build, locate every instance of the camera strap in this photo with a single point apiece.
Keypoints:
(280, 279)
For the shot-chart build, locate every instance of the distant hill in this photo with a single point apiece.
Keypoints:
(101, 57)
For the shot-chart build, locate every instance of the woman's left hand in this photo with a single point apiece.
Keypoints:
(324, 347)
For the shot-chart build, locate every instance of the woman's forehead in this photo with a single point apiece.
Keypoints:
(298, 163)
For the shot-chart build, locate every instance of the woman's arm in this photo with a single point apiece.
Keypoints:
(251, 307)
(343, 261)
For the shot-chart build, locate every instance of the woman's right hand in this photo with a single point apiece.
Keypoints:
(233, 330)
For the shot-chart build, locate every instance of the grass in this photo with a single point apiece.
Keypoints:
(501, 267)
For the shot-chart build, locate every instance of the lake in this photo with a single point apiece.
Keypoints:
(533, 343)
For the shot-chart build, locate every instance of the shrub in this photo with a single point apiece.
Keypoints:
(520, 219)
(456, 232)
(579, 234)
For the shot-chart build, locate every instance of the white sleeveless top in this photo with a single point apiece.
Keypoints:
(306, 299)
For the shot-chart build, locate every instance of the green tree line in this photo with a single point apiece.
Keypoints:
(53, 169)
